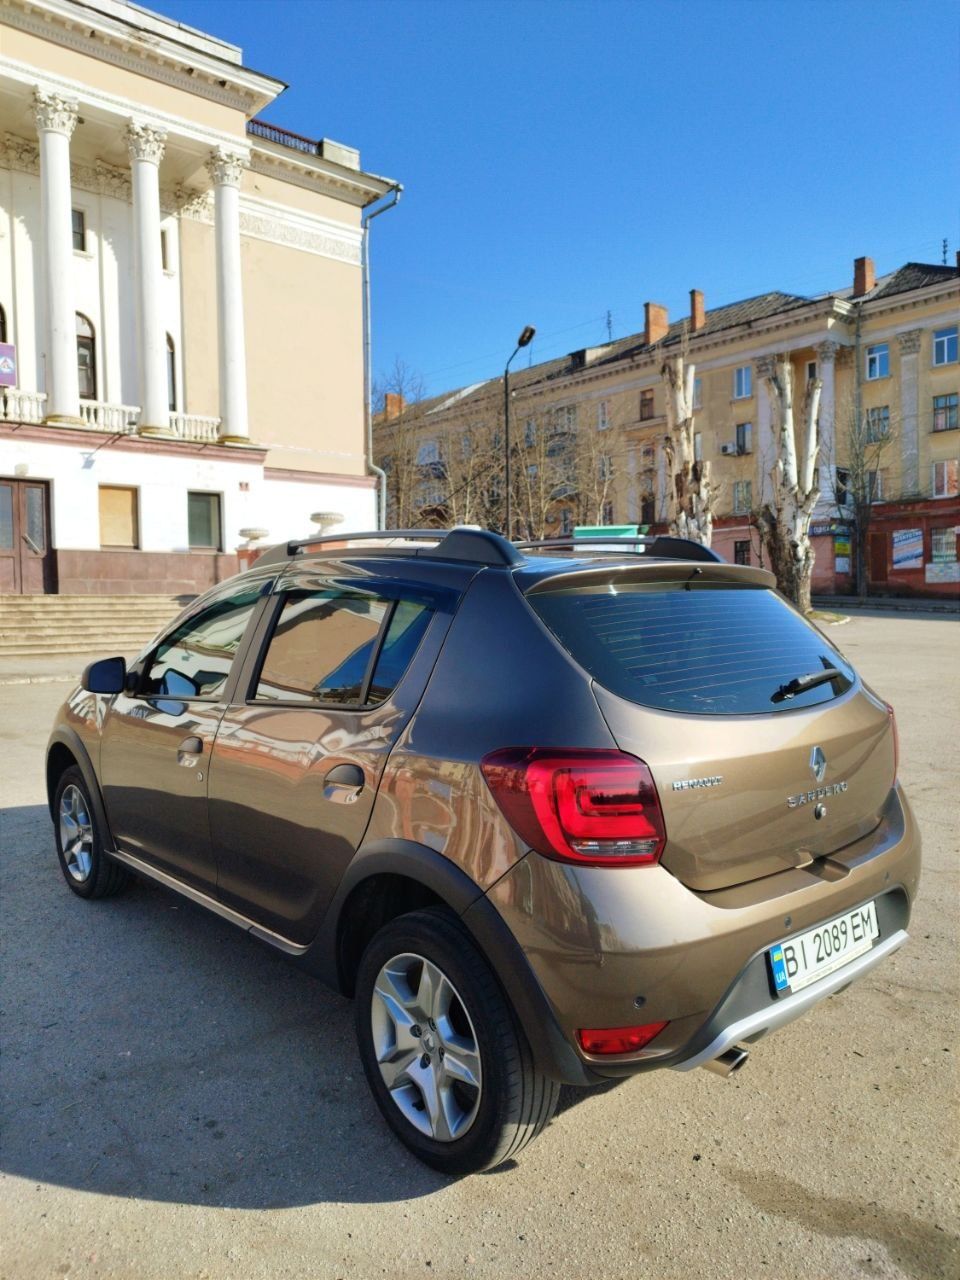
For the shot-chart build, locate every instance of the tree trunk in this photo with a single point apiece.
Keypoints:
(690, 494)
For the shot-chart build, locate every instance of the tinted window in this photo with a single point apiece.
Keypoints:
(321, 648)
(407, 625)
(195, 659)
(710, 648)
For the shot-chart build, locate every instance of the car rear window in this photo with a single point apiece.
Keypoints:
(712, 648)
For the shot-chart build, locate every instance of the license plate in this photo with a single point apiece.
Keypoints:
(814, 954)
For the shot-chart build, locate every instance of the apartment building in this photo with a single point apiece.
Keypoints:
(181, 336)
(884, 348)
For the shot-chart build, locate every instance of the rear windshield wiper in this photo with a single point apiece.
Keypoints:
(800, 684)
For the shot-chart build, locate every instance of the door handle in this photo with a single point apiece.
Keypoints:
(343, 783)
(192, 746)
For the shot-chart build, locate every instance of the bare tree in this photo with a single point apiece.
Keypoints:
(863, 438)
(397, 439)
(785, 519)
(690, 494)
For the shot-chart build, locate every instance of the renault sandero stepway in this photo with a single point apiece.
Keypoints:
(552, 813)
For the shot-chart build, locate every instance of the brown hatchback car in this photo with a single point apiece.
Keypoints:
(551, 812)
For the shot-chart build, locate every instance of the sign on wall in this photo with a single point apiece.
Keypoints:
(942, 572)
(8, 364)
(907, 549)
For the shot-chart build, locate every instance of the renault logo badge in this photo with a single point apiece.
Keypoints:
(818, 763)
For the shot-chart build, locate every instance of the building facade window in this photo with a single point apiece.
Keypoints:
(744, 437)
(119, 517)
(171, 375)
(86, 358)
(78, 222)
(603, 415)
(165, 250)
(204, 521)
(842, 488)
(698, 446)
(646, 405)
(878, 423)
(875, 486)
(943, 545)
(3, 325)
(945, 412)
(811, 371)
(945, 346)
(648, 508)
(563, 418)
(945, 478)
(428, 453)
(566, 520)
(743, 383)
(698, 393)
(878, 361)
(742, 497)
(607, 513)
(741, 552)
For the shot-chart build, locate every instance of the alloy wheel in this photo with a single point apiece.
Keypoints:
(76, 834)
(426, 1047)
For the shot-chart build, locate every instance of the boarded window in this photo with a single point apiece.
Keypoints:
(119, 522)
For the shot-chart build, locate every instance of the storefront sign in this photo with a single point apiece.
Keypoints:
(8, 364)
(841, 544)
(823, 528)
(945, 572)
(841, 564)
(907, 549)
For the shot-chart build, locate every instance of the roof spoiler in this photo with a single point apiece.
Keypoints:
(661, 546)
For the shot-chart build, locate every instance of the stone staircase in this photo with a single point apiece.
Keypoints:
(52, 625)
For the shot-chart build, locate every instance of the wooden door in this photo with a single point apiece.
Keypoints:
(878, 556)
(26, 557)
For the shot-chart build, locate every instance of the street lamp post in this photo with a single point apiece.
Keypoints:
(524, 340)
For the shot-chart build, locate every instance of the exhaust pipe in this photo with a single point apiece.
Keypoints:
(728, 1062)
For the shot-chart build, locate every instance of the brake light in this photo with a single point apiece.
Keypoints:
(595, 807)
(896, 741)
(619, 1039)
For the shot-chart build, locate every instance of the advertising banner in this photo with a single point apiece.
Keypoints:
(907, 549)
(8, 364)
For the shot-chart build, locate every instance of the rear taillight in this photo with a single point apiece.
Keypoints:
(896, 741)
(596, 807)
(619, 1039)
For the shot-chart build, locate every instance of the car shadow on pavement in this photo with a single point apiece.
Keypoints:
(156, 1052)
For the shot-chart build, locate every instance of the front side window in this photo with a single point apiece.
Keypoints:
(204, 525)
(878, 423)
(566, 521)
(697, 446)
(842, 488)
(744, 437)
(945, 346)
(3, 325)
(741, 552)
(875, 486)
(324, 642)
(742, 497)
(945, 412)
(428, 453)
(742, 382)
(698, 393)
(171, 375)
(78, 221)
(945, 478)
(195, 659)
(86, 358)
(878, 361)
(603, 415)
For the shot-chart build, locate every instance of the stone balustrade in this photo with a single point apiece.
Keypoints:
(22, 406)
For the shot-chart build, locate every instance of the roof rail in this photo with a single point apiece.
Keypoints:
(474, 546)
(659, 545)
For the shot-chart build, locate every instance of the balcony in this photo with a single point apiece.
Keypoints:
(29, 407)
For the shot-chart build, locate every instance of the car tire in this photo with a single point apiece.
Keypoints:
(430, 1019)
(86, 868)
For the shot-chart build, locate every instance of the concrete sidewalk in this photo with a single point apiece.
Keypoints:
(887, 604)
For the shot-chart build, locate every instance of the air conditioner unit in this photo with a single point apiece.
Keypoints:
(728, 449)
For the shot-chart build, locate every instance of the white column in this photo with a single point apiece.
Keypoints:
(910, 412)
(827, 469)
(146, 145)
(56, 119)
(225, 168)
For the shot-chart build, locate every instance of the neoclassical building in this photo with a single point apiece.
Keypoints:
(181, 307)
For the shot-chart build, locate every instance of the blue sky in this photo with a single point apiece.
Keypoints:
(563, 159)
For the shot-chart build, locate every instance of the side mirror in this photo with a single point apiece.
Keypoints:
(106, 676)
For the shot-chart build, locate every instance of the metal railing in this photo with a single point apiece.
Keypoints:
(283, 137)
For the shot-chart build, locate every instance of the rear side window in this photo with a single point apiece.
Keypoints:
(326, 648)
(710, 648)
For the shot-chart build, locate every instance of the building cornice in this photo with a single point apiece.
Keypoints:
(97, 34)
(314, 173)
(99, 440)
(319, 477)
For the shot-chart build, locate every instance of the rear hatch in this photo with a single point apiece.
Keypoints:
(692, 668)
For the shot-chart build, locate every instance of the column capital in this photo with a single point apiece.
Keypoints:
(910, 341)
(54, 113)
(827, 351)
(145, 141)
(225, 167)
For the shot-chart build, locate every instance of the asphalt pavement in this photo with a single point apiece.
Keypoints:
(179, 1103)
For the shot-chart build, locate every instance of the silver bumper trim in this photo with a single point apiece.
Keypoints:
(790, 1007)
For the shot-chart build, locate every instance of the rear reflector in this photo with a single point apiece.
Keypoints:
(596, 807)
(619, 1039)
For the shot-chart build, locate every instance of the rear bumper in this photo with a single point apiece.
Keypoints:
(612, 947)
